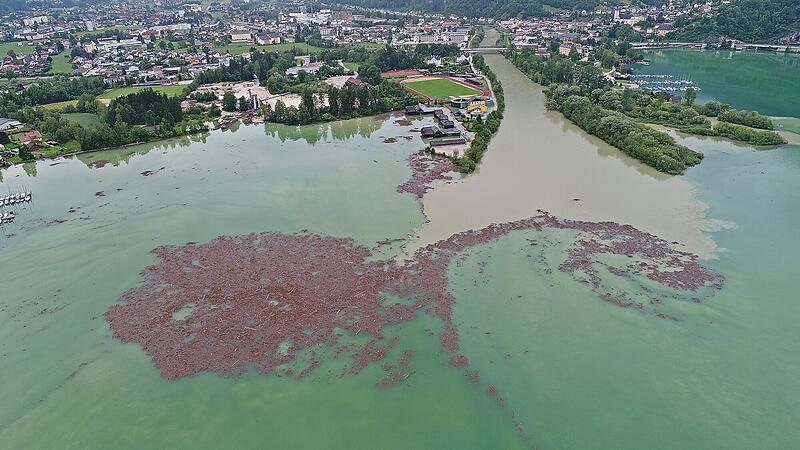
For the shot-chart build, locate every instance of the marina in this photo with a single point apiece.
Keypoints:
(664, 83)
(13, 199)
(10, 201)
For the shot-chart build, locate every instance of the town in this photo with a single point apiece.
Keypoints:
(189, 51)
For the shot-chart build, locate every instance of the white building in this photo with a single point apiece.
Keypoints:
(241, 36)
(30, 21)
(9, 124)
(308, 68)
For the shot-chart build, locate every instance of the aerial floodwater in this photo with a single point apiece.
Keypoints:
(330, 286)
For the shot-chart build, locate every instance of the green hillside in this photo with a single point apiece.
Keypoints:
(755, 21)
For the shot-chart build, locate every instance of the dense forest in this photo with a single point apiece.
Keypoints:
(501, 9)
(344, 103)
(146, 107)
(7, 6)
(754, 21)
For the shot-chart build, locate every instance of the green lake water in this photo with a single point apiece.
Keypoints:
(767, 82)
(577, 372)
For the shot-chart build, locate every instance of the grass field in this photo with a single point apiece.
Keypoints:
(177, 46)
(18, 49)
(60, 105)
(61, 64)
(172, 90)
(369, 45)
(83, 119)
(103, 30)
(352, 66)
(239, 48)
(440, 88)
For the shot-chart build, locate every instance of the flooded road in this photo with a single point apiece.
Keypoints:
(540, 160)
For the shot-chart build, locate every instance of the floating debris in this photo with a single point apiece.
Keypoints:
(99, 164)
(425, 169)
(253, 293)
(264, 300)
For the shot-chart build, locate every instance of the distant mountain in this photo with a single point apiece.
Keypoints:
(754, 21)
(7, 6)
(501, 9)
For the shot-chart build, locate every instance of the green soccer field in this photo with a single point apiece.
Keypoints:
(441, 88)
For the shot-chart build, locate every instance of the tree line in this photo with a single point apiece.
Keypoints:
(479, 8)
(121, 122)
(41, 92)
(572, 84)
(654, 148)
(484, 130)
(146, 107)
(335, 103)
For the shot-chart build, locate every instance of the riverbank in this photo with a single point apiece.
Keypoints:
(523, 171)
(16, 161)
(790, 137)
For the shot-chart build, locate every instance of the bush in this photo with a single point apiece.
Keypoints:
(483, 129)
(652, 147)
(749, 118)
(744, 134)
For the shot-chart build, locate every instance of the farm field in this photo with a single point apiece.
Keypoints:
(173, 90)
(440, 88)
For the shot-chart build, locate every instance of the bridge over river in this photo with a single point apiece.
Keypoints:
(734, 46)
(485, 50)
(648, 45)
